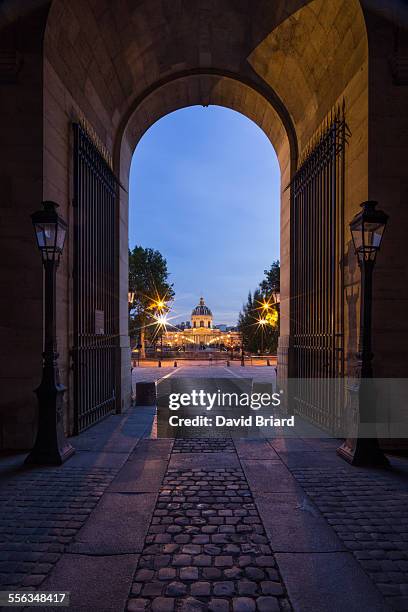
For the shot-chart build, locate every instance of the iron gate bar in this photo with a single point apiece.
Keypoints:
(317, 197)
(95, 196)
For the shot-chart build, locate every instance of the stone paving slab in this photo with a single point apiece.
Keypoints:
(117, 433)
(116, 444)
(153, 449)
(255, 449)
(312, 459)
(269, 476)
(98, 459)
(323, 444)
(96, 583)
(139, 475)
(205, 461)
(328, 582)
(294, 524)
(287, 445)
(118, 526)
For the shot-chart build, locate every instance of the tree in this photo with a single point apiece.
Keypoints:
(149, 281)
(271, 283)
(258, 321)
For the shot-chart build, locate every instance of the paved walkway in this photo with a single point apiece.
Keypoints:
(134, 523)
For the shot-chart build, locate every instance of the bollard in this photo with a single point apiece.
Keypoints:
(145, 394)
(268, 363)
(175, 364)
(159, 364)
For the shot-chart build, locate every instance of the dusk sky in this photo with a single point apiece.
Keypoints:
(204, 191)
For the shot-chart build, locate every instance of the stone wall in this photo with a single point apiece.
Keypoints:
(21, 114)
(388, 182)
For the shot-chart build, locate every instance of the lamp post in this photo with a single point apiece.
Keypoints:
(51, 447)
(161, 323)
(262, 322)
(131, 299)
(367, 229)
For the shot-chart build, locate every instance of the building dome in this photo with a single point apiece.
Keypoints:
(201, 310)
(201, 316)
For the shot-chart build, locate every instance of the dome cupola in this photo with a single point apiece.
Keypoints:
(201, 315)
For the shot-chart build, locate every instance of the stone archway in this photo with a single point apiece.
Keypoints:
(283, 66)
(120, 66)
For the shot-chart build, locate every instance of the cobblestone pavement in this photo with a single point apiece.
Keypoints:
(40, 513)
(206, 547)
(369, 512)
(203, 445)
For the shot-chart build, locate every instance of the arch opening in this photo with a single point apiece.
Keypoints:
(205, 192)
(231, 93)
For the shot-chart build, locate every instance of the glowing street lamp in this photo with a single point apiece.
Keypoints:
(261, 323)
(159, 305)
(161, 320)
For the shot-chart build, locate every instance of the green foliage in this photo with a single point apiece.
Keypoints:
(149, 281)
(271, 282)
(257, 337)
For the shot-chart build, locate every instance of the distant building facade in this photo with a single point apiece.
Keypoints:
(201, 333)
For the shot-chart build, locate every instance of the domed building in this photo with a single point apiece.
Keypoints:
(201, 316)
(200, 333)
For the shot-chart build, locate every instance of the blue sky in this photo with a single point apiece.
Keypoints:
(204, 191)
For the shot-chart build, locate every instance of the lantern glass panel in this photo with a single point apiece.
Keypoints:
(45, 233)
(373, 233)
(357, 235)
(62, 232)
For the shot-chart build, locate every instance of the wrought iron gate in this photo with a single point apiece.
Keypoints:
(94, 282)
(317, 272)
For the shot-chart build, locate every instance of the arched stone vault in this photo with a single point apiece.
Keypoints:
(122, 64)
(284, 65)
(110, 53)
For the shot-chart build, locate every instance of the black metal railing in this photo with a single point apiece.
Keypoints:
(317, 197)
(94, 283)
